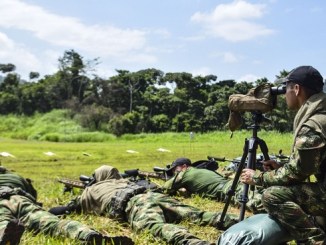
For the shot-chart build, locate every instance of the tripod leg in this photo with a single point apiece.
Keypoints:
(231, 191)
(264, 149)
(252, 150)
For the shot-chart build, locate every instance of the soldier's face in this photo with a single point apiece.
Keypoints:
(291, 96)
(180, 168)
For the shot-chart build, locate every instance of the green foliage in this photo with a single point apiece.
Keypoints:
(128, 123)
(130, 102)
(4, 68)
(95, 117)
(56, 126)
(160, 123)
(8, 103)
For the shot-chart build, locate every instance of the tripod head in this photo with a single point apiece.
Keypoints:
(258, 118)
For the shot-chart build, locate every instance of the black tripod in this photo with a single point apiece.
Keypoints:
(249, 150)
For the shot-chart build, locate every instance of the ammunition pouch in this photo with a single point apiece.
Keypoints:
(118, 203)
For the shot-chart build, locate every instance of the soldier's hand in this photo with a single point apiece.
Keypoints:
(247, 175)
(270, 165)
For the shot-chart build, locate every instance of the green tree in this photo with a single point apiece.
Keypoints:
(8, 103)
(73, 71)
(34, 97)
(124, 124)
(4, 68)
(95, 117)
(34, 75)
(160, 123)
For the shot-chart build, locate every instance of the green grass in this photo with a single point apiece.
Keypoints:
(71, 161)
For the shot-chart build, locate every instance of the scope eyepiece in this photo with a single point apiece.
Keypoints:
(278, 90)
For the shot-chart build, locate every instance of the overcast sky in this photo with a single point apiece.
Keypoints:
(241, 40)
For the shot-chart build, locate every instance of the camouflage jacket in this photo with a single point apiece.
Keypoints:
(308, 150)
(15, 181)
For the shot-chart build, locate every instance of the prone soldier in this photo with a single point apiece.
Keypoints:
(121, 199)
(19, 210)
(207, 183)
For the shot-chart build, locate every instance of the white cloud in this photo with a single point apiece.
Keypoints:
(316, 10)
(234, 22)
(248, 78)
(67, 32)
(162, 33)
(201, 71)
(18, 55)
(229, 57)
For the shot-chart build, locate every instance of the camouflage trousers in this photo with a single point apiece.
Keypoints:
(159, 214)
(35, 219)
(295, 206)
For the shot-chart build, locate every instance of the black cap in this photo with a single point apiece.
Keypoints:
(307, 76)
(178, 162)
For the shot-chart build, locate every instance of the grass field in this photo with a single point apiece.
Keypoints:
(73, 159)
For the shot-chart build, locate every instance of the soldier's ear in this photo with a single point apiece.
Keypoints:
(297, 89)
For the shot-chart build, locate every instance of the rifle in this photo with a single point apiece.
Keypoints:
(135, 175)
(159, 173)
(82, 183)
(138, 176)
(234, 163)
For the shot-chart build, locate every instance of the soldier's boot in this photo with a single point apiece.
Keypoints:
(99, 239)
(11, 234)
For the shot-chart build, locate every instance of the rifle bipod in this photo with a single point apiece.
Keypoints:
(250, 151)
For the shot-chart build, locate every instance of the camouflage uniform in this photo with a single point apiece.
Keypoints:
(212, 185)
(290, 199)
(18, 201)
(153, 211)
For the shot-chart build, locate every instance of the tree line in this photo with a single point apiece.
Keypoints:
(147, 100)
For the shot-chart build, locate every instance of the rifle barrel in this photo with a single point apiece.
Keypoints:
(153, 175)
(72, 183)
(221, 159)
(159, 169)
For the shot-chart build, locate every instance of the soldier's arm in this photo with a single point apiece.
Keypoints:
(174, 184)
(305, 160)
